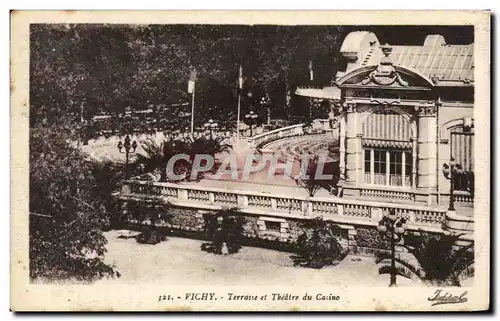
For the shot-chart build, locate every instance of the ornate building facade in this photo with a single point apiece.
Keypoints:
(404, 111)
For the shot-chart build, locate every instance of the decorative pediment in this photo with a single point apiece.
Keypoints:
(384, 75)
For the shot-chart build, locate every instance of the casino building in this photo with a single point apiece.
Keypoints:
(403, 112)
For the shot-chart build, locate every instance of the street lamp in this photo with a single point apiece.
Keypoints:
(392, 226)
(449, 172)
(211, 126)
(129, 149)
(264, 102)
(251, 119)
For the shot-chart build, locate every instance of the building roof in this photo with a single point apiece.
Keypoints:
(443, 64)
(448, 62)
(434, 58)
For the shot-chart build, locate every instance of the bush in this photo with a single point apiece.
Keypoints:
(150, 236)
(225, 229)
(149, 215)
(437, 260)
(318, 245)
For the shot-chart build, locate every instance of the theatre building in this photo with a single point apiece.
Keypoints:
(404, 111)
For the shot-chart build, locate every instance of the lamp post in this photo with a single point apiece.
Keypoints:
(211, 126)
(176, 134)
(392, 226)
(129, 149)
(264, 102)
(251, 119)
(449, 171)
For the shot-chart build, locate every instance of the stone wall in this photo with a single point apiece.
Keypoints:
(262, 229)
(187, 219)
(370, 238)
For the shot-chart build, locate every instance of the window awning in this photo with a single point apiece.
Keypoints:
(331, 92)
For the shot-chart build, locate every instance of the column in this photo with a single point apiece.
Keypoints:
(387, 168)
(372, 166)
(352, 145)
(413, 162)
(403, 168)
(342, 146)
(427, 148)
(359, 158)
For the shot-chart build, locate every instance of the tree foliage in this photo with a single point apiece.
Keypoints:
(157, 156)
(150, 217)
(318, 245)
(438, 260)
(315, 174)
(94, 68)
(225, 230)
(67, 212)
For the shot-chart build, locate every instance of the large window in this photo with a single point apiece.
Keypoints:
(390, 168)
(379, 167)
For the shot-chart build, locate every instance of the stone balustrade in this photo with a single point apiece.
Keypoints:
(338, 210)
(267, 137)
(387, 194)
(463, 197)
(318, 125)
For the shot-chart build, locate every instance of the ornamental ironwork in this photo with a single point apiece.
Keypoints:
(385, 102)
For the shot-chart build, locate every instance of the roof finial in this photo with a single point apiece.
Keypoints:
(386, 49)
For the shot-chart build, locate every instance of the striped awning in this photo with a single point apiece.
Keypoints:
(387, 125)
(386, 144)
(331, 92)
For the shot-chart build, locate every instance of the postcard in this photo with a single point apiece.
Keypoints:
(250, 161)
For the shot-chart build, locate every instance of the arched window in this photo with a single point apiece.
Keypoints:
(387, 149)
(458, 134)
(459, 125)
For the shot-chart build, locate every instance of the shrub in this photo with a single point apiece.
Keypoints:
(318, 245)
(150, 215)
(224, 228)
(438, 260)
(151, 236)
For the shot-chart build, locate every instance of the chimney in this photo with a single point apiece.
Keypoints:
(434, 41)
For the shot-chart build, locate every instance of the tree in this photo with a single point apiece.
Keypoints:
(318, 245)
(141, 65)
(157, 156)
(106, 181)
(225, 229)
(150, 216)
(66, 217)
(212, 146)
(438, 260)
(70, 75)
(312, 170)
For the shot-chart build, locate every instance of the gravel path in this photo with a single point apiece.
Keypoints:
(180, 261)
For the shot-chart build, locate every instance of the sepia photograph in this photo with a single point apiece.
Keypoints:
(250, 166)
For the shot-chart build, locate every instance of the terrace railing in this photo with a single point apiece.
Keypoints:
(270, 136)
(318, 126)
(339, 210)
